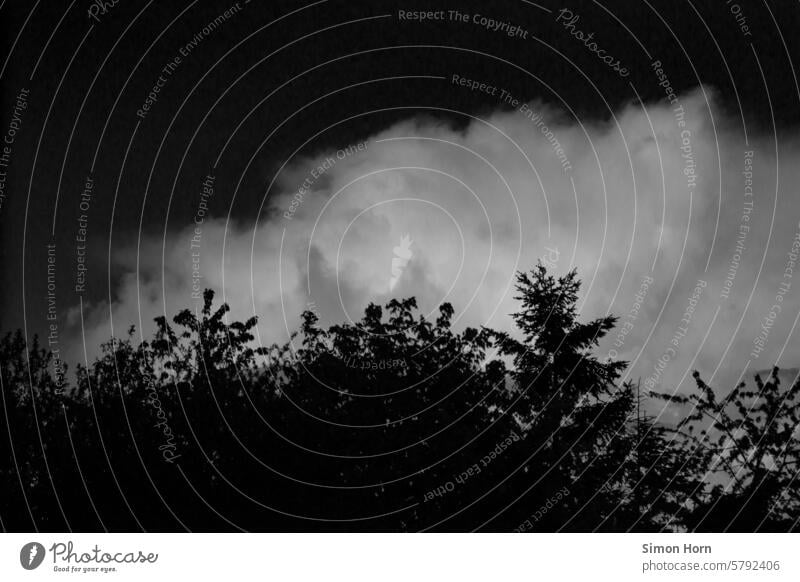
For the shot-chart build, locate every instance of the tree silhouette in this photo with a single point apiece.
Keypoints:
(396, 422)
(746, 444)
(581, 423)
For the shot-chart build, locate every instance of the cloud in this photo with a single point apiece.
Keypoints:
(645, 194)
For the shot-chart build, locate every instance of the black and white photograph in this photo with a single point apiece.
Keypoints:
(334, 272)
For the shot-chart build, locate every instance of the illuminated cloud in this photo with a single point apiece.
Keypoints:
(635, 197)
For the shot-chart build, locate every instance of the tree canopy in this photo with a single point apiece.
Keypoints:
(396, 422)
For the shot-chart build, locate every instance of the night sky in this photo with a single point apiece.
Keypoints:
(279, 79)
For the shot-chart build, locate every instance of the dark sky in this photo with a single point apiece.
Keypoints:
(259, 88)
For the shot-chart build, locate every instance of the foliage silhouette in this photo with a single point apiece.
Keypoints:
(746, 445)
(392, 423)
